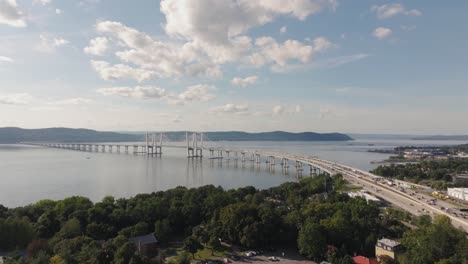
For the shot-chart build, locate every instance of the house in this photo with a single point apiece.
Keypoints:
(364, 260)
(387, 247)
(146, 245)
(460, 178)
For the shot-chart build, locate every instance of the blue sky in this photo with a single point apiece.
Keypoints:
(304, 65)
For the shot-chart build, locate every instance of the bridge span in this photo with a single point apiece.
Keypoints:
(406, 199)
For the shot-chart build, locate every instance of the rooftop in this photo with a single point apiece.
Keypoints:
(388, 242)
(144, 240)
(364, 260)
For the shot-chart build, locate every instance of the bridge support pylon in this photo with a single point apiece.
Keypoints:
(195, 145)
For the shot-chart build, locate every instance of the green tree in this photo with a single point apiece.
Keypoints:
(311, 240)
(192, 245)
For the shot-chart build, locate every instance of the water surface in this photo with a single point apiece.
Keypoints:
(29, 174)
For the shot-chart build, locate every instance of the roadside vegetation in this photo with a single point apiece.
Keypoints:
(208, 222)
(435, 173)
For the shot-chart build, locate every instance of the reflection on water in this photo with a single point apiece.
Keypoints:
(29, 173)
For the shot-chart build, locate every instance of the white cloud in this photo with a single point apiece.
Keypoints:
(5, 59)
(204, 35)
(390, 10)
(382, 33)
(110, 72)
(195, 93)
(58, 11)
(164, 58)
(42, 2)
(230, 109)
(74, 101)
(15, 99)
(281, 110)
(97, 46)
(200, 92)
(282, 54)
(283, 29)
(51, 43)
(322, 44)
(216, 23)
(10, 14)
(243, 82)
(140, 92)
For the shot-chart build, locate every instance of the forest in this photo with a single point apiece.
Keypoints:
(308, 215)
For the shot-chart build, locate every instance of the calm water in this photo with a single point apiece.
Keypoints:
(28, 174)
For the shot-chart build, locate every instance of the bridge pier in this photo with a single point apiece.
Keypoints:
(126, 149)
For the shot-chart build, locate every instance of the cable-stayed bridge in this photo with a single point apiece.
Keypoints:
(196, 144)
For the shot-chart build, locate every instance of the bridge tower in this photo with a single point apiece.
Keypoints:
(194, 145)
(153, 145)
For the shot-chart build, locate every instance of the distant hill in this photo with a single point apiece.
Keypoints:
(16, 135)
(442, 137)
(262, 136)
(276, 136)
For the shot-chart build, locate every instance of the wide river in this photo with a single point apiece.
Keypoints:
(29, 174)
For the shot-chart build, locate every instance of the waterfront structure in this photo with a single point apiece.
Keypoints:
(387, 247)
(459, 193)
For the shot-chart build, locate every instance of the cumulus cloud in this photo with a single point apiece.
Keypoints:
(283, 29)
(111, 72)
(243, 82)
(230, 109)
(15, 99)
(140, 92)
(198, 92)
(382, 33)
(97, 46)
(205, 34)
(390, 10)
(164, 58)
(58, 11)
(227, 19)
(5, 59)
(280, 55)
(10, 14)
(195, 93)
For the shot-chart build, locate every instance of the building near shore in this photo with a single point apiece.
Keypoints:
(388, 247)
(459, 193)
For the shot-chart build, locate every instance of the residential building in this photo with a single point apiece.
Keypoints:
(460, 178)
(146, 245)
(387, 247)
(459, 193)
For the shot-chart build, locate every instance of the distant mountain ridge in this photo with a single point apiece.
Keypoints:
(17, 135)
(60, 134)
